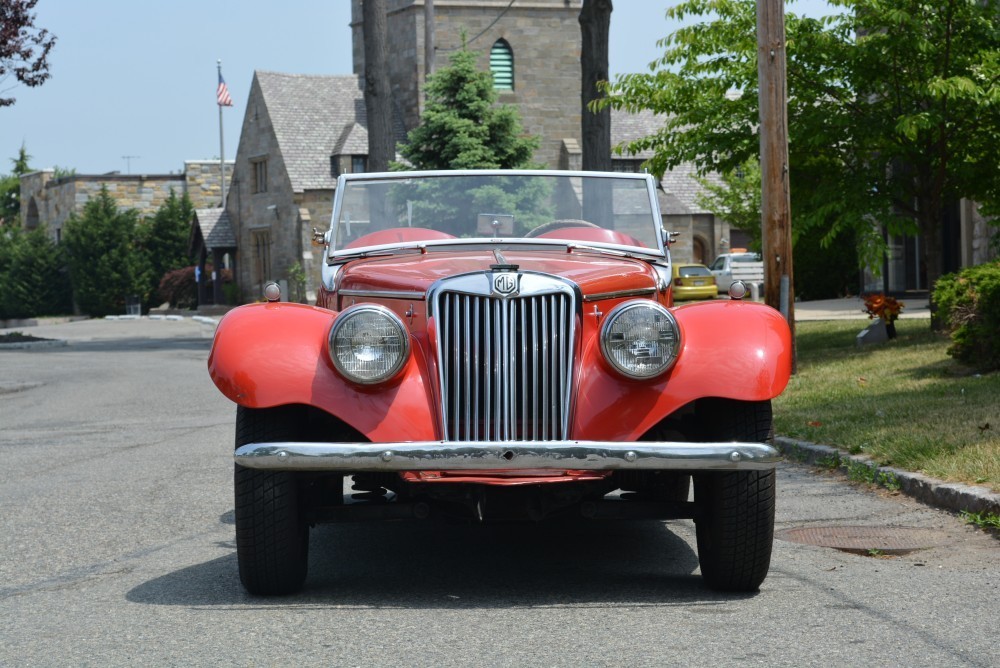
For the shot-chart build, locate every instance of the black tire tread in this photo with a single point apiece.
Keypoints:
(736, 534)
(271, 536)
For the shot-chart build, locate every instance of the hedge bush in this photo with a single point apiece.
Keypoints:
(969, 307)
(179, 288)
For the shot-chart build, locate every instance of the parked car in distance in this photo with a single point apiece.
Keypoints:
(693, 281)
(489, 346)
(739, 265)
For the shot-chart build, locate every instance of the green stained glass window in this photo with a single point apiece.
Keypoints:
(502, 65)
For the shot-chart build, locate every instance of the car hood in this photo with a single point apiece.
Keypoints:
(593, 273)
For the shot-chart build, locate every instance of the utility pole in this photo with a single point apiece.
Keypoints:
(378, 93)
(776, 217)
(429, 44)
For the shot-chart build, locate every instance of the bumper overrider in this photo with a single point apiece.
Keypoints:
(507, 456)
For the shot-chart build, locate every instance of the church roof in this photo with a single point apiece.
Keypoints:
(680, 186)
(315, 117)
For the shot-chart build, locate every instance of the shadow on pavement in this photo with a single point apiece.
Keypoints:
(435, 565)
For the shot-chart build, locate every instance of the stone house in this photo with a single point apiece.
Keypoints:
(300, 132)
(50, 200)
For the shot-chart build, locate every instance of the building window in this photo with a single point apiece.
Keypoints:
(359, 164)
(260, 244)
(630, 165)
(259, 175)
(502, 65)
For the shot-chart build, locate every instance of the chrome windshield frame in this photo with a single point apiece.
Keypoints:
(333, 255)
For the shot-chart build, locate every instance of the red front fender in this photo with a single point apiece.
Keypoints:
(730, 349)
(267, 355)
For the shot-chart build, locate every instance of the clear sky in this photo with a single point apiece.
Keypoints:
(137, 78)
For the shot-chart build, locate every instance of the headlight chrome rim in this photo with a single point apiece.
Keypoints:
(341, 350)
(617, 356)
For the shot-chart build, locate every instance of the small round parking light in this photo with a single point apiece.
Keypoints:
(272, 292)
(738, 290)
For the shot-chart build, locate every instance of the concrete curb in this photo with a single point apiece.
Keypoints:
(948, 495)
(21, 345)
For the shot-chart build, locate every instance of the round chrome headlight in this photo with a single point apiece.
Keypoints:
(640, 339)
(369, 343)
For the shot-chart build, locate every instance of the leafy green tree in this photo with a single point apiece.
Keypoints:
(463, 127)
(736, 198)
(165, 238)
(894, 110)
(106, 265)
(10, 188)
(33, 273)
(24, 49)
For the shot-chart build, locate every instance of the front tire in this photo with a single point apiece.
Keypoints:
(735, 529)
(272, 537)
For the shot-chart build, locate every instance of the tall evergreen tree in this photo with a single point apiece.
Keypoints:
(33, 273)
(105, 263)
(463, 127)
(10, 188)
(165, 239)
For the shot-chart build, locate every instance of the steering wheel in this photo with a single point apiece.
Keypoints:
(556, 225)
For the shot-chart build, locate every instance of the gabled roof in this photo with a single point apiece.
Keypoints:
(681, 189)
(681, 182)
(627, 126)
(215, 229)
(315, 117)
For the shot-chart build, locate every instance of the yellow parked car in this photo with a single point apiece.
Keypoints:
(694, 281)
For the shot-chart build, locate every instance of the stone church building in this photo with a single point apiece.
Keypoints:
(300, 132)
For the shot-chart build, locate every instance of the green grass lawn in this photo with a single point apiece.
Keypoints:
(905, 403)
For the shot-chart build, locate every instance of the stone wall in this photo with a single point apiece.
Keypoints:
(202, 182)
(48, 201)
(544, 36)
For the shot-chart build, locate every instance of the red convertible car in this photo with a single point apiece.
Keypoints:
(501, 345)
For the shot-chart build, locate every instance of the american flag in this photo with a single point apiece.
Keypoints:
(222, 93)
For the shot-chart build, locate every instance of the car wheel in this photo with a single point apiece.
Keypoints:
(735, 526)
(272, 537)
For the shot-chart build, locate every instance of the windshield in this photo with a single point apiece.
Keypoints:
(441, 209)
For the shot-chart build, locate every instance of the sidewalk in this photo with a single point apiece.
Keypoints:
(853, 308)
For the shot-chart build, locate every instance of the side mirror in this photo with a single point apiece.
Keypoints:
(320, 238)
(669, 237)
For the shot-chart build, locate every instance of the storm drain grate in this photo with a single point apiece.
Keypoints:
(889, 540)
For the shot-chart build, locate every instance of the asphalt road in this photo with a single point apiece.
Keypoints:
(116, 548)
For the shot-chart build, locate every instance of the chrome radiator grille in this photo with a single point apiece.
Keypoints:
(505, 365)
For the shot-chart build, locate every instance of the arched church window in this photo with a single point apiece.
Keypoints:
(502, 65)
(33, 219)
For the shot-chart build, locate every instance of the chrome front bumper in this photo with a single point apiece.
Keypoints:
(507, 456)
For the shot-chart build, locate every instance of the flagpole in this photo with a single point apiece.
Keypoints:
(222, 147)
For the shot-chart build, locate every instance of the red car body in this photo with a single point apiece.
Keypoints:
(397, 436)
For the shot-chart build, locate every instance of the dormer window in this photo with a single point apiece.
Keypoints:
(502, 65)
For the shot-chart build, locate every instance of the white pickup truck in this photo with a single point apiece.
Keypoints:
(738, 266)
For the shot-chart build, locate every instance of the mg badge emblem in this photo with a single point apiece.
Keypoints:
(505, 284)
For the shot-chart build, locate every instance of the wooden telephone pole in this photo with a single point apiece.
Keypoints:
(776, 217)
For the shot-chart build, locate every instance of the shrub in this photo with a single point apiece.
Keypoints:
(969, 307)
(179, 288)
(33, 275)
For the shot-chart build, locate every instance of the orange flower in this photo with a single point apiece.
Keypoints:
(877, 305)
